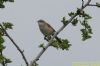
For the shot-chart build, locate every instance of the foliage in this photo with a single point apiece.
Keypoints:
(35, 64)
(64, 45)
(64, 21)
(86, 30)
(3, 27)
(98, 5)
(7, 25)
(41, 45)
(74, 21)
(3, 1)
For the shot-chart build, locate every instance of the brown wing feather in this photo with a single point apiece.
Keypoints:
(50, 27)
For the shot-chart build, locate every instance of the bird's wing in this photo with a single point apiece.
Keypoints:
(50, 27)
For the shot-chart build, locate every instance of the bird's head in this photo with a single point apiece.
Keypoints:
(42, 21)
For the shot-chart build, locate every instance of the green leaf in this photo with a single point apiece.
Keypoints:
(1, 32)
(78, 11)
(8, 61)
(87, 26)
(85, 37)
(5, 0)
(85, 34)
(83, 31)
(86, 30)
(1, 44)
(1, 58)
(71, 14)
(64, 45)
(90, 31)
(87, 16)
(2, 48)
(2, 3)
(7, 25)
(1, 40)
(55, 44)
(11, 0)
(64, 21)
(2, 6)
(41, 45)
(74, 22)
(98, 5)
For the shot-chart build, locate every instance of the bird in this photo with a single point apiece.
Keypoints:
(47, 30)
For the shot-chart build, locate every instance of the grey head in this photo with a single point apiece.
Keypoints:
(41, 20)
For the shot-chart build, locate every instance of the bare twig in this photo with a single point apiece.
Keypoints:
(86, 4)
(92, 5)
(82, 3)
(18, 48)
(43, 50)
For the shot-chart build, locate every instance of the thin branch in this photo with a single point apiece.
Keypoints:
(92, 5)
(86, 4)
(18, 48)
(43, 50)
(82, 3)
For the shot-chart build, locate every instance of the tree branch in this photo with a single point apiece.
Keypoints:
(92, 5)
(82, 3)
(86, 4)
(69, 21)
(18, 48)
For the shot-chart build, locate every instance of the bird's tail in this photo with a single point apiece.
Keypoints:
(58, 39)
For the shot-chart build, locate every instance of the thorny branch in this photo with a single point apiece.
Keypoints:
(69, 21)
(18, 48)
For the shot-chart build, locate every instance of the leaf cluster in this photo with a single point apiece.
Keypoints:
(64, 21)
(2, 3)
(3, 27)
(7, 25)
(64, 45)
(86, 30)
(98, 5)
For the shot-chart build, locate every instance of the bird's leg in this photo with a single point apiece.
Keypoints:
(47, 38)
(44, 37)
